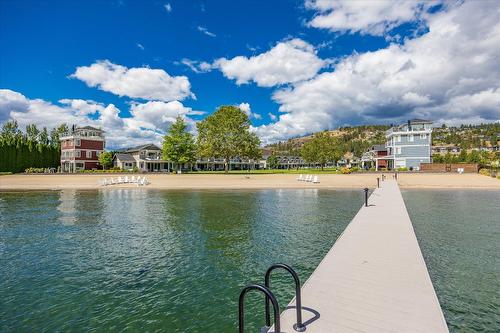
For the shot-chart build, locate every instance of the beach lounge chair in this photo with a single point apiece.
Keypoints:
(132, 180)
(300, 178)
(145, 181)
(309, 178)
(126, 179)
(140, 181)
(316, 180)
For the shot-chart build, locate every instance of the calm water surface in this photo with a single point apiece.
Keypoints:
(459, 235)
(145, 260)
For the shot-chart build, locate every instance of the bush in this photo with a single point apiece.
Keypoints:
(116, 168)
(36, 170)
(402, 169)
(5, 173)
(484, 172)
(355, 169)
(135, 169)
(345, 171)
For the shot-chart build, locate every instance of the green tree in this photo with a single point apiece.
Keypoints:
(272, 161)
(56, 133)
(321, 149)
(226, 134)
(106, 159)
(178, 144)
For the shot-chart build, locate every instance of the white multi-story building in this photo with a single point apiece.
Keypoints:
(409, 144)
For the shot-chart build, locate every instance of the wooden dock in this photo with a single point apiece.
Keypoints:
(374, 278)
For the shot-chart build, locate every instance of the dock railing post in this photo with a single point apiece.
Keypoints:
(366, 196)
(378, 182)
(298, 326)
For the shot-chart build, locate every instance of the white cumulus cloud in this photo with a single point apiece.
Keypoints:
(374, 17)
(245, 107)
(289, 61)
(139, 82)
(449, 74)
(148, 121)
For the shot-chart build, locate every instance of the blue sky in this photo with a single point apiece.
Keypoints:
(295, 67)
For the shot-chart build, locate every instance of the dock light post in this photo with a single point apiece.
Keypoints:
(366, 196)
(378, 182)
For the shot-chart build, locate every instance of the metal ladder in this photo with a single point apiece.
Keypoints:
(269, 296)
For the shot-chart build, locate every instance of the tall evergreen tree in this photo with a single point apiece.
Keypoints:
(178, 144)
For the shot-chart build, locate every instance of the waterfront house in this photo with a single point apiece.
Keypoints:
(146, 158)
(375, 157)
(80, 148)
(409, 144)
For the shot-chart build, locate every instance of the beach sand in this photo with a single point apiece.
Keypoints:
(241, 181)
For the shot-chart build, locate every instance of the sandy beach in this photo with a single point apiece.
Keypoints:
(240, 181)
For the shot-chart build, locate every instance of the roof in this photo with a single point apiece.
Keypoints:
(90, 128)
(420, 121)
(125, 157)
(149, 146)
(379, 147)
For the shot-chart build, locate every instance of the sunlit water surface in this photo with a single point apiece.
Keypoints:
(146, 260)
(459, 235)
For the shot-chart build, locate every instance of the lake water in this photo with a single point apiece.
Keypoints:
(147, 260)
(459, 235)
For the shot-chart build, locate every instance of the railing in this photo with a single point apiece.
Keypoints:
(269, 296)
(299, 326)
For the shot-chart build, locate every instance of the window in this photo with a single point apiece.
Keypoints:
(423, 136)
(77, 142)
(399, 138)
(77, 153)
(410, 138)
(398, 150)
(97, 153)
(89, 153)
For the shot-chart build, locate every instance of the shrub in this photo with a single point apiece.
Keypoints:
(135, 169)
(36, 170)
(402, 169)
(355, 169)
(484, 172)
(345, 171)
(116, 168)
(5, 173)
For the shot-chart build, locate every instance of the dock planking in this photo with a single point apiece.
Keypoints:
(374, 278)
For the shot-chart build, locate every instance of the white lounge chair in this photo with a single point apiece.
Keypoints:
(126, 179)
(300, 178)
(132, 180)
(145, 181)
(140, 182)
(316, 180)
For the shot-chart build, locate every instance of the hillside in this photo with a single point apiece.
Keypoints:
(358, 139)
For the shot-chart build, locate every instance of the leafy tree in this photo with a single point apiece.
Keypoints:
(56, 133)
(178, 144)
(106, 159)
(226, 134)
(10, 131)
(272, 161)
(323, 148)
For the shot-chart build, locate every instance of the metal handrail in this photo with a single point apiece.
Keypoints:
(299, 326)
(269, 296)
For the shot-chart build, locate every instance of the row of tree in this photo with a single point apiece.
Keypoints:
(475, 156)
(225, 134)
(33, 148)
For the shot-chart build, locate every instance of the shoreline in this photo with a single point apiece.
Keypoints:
(246, 182)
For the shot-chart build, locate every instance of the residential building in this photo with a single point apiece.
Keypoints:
(445, 149)
(146, 158)
(80, 148)
(409, 144)
(376, 158)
